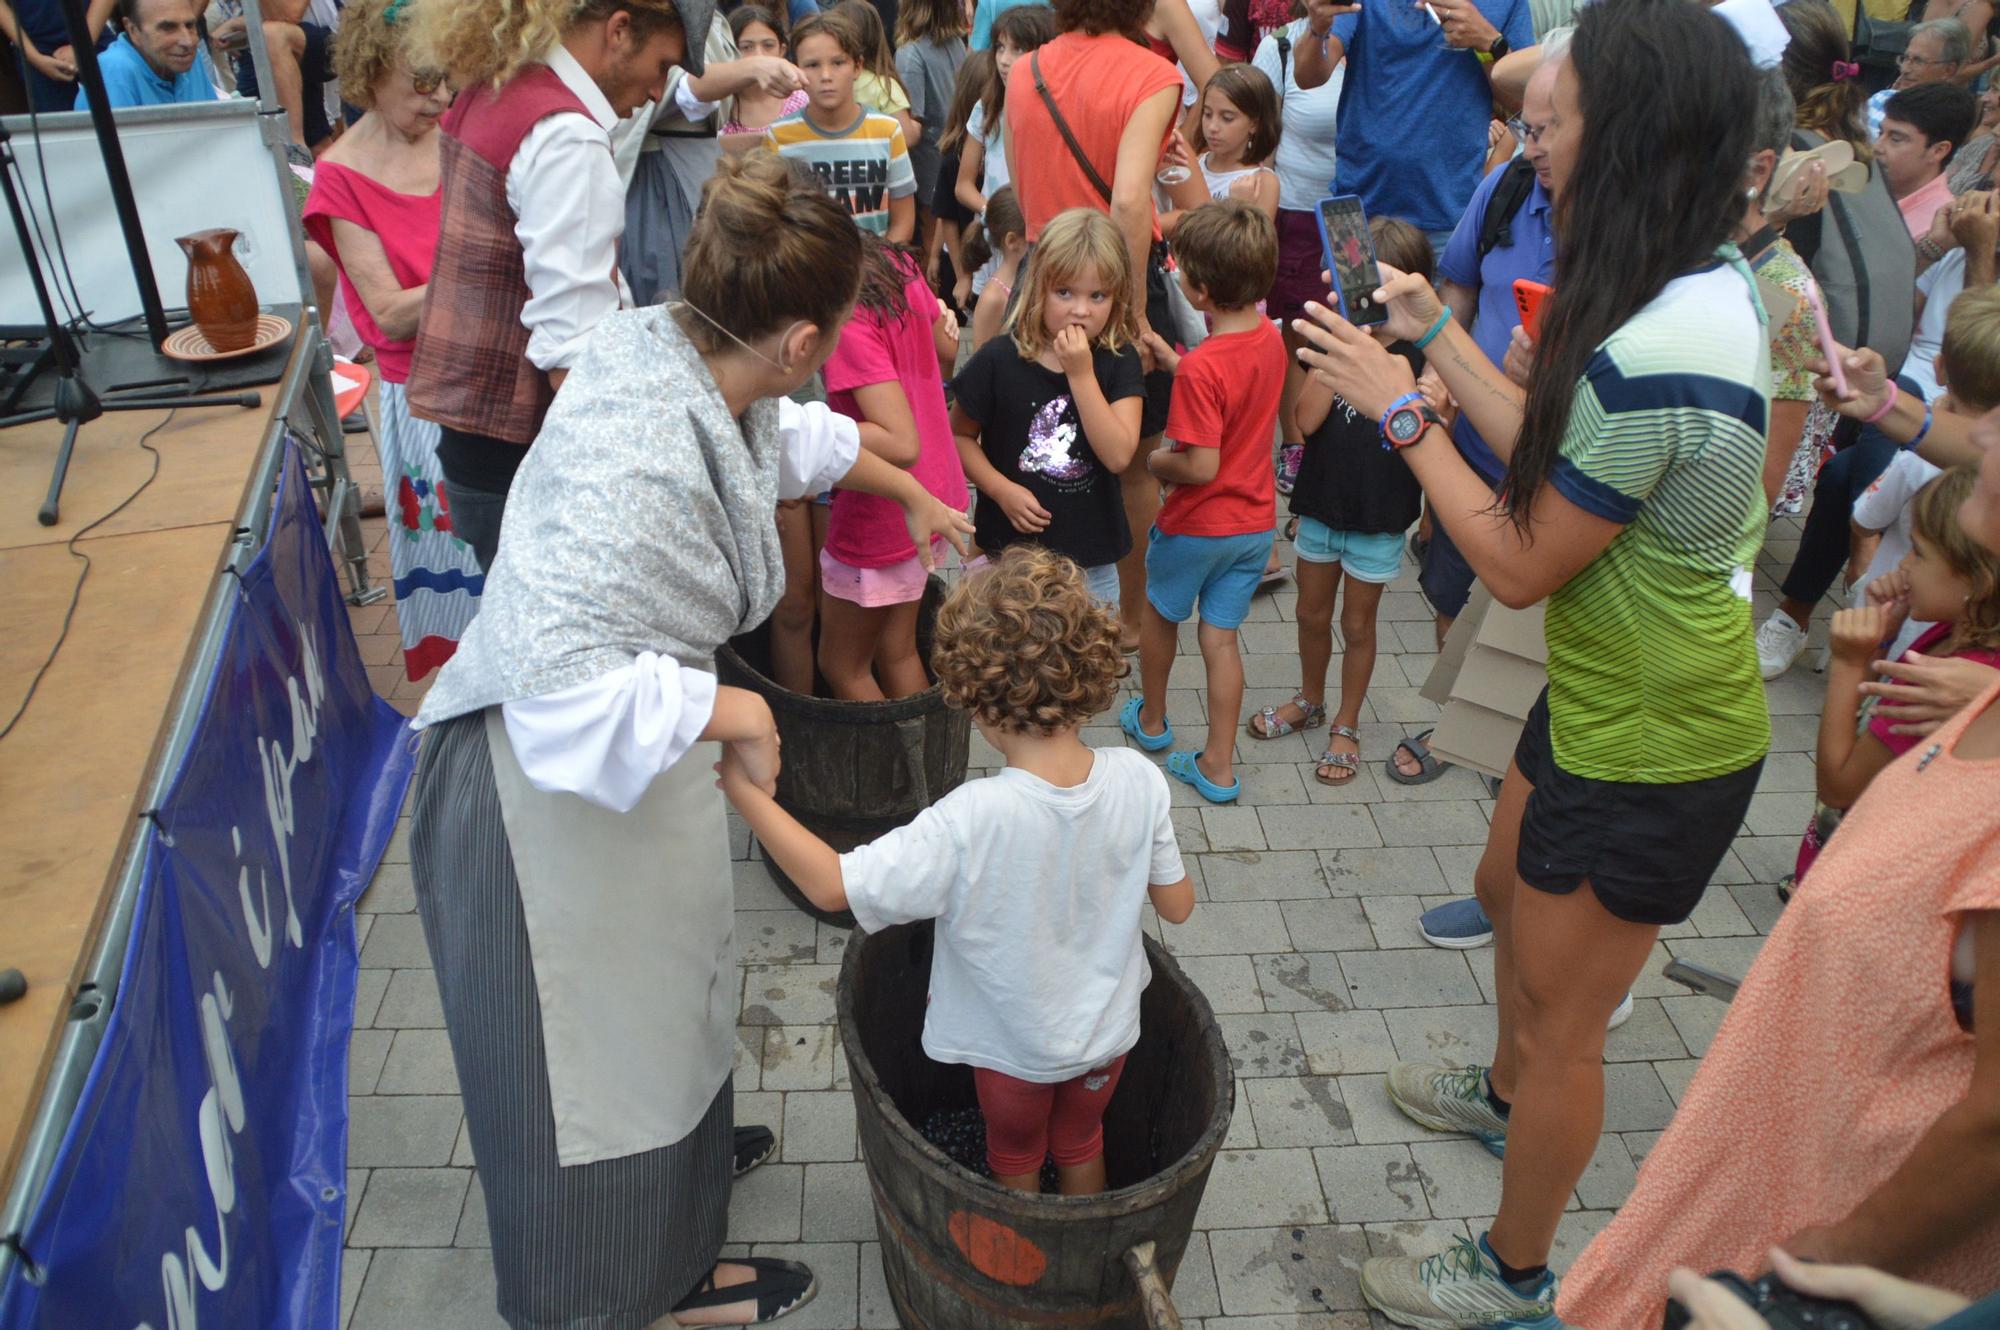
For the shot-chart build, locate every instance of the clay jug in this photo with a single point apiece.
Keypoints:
(219, 293)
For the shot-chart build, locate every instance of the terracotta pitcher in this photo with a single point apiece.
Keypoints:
(219, 293)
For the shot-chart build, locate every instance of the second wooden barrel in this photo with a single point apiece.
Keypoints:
(853, 770)
(962, 1253)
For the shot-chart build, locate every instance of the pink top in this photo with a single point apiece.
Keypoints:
(1885, 710)
(1837, 1055)
(864, 531)
(407, 226)
(796, 102)
(1920, 205)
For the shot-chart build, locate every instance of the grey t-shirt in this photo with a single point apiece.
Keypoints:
(929, 71)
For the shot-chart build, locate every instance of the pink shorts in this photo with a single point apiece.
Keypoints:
(872, 588)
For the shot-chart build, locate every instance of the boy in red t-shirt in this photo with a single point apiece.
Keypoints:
(1213, 533)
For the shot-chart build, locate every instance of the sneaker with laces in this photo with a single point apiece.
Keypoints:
(1448, 1099)
(1457, 1289)
(1779, 642)
(1289, 458)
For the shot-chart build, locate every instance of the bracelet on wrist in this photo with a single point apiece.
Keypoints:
(1916, 442)
(1888, 405)
(1930, 249)
(1444, 317)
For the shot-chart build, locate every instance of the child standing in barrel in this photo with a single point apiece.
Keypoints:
(1037, 876)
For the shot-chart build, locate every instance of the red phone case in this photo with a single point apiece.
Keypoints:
(1528, 298)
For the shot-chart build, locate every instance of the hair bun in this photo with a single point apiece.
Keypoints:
(748, 196)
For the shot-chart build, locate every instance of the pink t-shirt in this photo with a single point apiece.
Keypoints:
(864, 531)
(1885, 710)
(1919, 206)
(407, 226)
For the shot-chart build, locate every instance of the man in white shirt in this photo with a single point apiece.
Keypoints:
(532, 214)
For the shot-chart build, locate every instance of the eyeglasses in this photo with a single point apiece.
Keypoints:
(1906, 60)
(1525, 133)
(426, 81)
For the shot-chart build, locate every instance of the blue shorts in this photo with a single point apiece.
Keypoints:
(1376, 557)
(1220, 573)
(1446, 578)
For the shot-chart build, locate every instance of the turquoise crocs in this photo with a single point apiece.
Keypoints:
(1128, 721)
(1182, 766)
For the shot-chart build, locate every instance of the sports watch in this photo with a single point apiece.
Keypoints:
(1406, 420)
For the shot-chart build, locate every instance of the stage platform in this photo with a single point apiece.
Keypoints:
(75, 769)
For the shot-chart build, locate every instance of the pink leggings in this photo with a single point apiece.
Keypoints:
(1026, 1120)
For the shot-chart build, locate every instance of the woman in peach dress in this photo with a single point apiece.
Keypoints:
(1849, 1107)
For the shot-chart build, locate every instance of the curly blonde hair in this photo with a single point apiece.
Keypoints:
(490, 41)
(1024, 646)
(370, 45)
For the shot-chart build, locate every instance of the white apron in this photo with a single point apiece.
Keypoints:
(631, 924)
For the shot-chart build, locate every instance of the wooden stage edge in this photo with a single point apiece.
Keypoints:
(75, 768)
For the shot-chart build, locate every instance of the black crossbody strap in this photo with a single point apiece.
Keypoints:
(1062, 127)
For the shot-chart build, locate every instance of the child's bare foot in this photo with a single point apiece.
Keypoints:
(1301, 713)
(1342, 758)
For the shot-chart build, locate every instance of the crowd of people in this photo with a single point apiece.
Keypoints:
(851, 292)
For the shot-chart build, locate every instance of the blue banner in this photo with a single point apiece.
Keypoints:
(202, 1179)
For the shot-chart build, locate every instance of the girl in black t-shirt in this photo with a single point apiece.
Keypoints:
(1352, 501)
(1047, 416)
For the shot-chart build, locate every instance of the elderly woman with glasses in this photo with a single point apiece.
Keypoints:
(374, 208)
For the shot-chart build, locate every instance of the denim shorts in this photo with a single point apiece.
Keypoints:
(1220, 573)
(1101, 579)
(1446, 578)
(1365, 557)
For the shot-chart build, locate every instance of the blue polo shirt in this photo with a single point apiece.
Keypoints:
(130, 81)
(1411, 136)
(1530, 252)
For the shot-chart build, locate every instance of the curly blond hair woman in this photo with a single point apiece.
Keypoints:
(532, 214)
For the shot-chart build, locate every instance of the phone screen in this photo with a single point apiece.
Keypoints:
(1350, 258)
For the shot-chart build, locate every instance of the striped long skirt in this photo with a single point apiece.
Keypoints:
(437, 579)
(604, 1246)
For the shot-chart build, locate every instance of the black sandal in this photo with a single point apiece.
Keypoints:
(753, 1145)
(778, 1287)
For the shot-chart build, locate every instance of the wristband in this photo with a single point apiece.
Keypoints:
(1913, 444)
(1888, 405)
(1444, 317)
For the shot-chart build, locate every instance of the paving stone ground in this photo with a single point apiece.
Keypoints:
(1304, 939)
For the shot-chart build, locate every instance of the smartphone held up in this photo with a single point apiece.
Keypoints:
(1350, 259)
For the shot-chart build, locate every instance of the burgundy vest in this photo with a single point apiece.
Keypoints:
(470, 369)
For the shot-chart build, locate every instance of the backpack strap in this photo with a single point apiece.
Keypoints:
(1284, 59)
(1062, 127)
(1517, 181)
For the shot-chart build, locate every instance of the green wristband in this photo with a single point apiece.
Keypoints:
(1443, 318)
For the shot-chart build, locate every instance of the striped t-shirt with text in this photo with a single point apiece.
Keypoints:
(862, 167)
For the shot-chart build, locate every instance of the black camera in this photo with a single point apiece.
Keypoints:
(1784, 1307)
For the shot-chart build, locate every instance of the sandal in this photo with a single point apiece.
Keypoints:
(777, 1287)
(1181, 766)
(1312, 716)
(1128, 721)
(1421, 751)
(1347, 762)
(752, 1146)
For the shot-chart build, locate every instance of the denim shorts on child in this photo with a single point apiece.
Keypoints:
(1365, 557)
(1220, 573)
(872, 588)
(1102, 580)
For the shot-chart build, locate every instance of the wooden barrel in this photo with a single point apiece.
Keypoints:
(853, 770)
(964, 1253)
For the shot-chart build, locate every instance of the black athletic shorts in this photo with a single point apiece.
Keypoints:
(1648, 851)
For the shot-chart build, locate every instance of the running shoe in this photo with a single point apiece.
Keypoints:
(1448, 1099)
(1457, 1289)
(1779, 642)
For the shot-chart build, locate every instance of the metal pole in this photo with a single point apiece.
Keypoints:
(92, 79)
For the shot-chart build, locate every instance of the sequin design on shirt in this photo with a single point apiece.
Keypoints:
(1053, 436)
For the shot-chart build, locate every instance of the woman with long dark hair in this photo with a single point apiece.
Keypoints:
(1632, 503)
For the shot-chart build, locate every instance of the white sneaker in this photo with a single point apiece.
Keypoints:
(1779, 643)
(1621, 1014)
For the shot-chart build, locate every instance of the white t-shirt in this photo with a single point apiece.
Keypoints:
(1304, 160)
(1885, 506)
(1037, 892)
(1940, 284)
